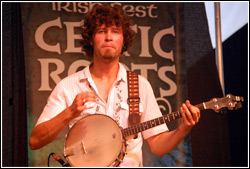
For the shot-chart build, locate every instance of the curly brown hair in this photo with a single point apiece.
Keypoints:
(105, 14)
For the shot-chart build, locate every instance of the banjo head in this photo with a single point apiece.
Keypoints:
(94, 141)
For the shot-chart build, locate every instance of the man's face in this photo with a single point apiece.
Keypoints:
(107, 43)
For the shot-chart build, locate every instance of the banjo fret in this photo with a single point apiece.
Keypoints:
(151, 123)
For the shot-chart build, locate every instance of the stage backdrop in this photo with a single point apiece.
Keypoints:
(52, 51)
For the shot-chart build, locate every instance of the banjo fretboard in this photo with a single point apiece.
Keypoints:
(155, 122)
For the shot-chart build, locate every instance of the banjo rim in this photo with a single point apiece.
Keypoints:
(123, 146)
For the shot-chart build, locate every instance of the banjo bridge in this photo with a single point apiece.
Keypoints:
(84, 149)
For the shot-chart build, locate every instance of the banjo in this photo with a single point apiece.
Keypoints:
(97, 140)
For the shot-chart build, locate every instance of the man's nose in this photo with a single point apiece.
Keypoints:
(108, 36)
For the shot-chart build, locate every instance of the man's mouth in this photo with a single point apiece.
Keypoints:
(108, 46)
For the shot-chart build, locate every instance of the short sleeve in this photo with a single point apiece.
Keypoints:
(151, 109)
(55, 104)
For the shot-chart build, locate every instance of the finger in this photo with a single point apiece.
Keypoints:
(188, 114)
(90, 97)
(86, 97)
(81, 95)
(81, 99)
(184, 118)
(194, 111)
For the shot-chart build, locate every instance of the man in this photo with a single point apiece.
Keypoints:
(106, 35)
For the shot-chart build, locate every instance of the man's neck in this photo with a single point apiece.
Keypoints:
(104, 76)
(104, 71)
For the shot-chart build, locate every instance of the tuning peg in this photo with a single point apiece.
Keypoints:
(217, 110)
(239, 98)
(216, 106)
(238, 106)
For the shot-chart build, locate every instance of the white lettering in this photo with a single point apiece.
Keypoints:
(144, 68)
(39, 36)
(144, 41)
(45, 72)
(66, 5)
(82, 5)
(150, 8)
(157, 40)
(172, 85)
(163, 107)
(75, 65)
(139, 11)
(71, 37)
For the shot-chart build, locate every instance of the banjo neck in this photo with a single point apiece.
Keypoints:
(153, 123)
(229, 101)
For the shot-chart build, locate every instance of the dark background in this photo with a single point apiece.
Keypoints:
(217, 140)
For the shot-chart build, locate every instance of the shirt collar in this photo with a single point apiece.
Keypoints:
(122, 74)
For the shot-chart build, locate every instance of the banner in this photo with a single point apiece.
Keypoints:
(52, 51)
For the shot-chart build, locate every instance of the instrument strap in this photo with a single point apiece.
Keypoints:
(133, 98)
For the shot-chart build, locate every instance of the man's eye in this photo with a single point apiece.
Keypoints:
(117, 31)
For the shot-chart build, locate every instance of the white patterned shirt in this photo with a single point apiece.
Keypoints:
(116, 107)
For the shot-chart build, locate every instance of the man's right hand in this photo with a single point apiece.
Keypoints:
(79, 105)
(47, 131)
